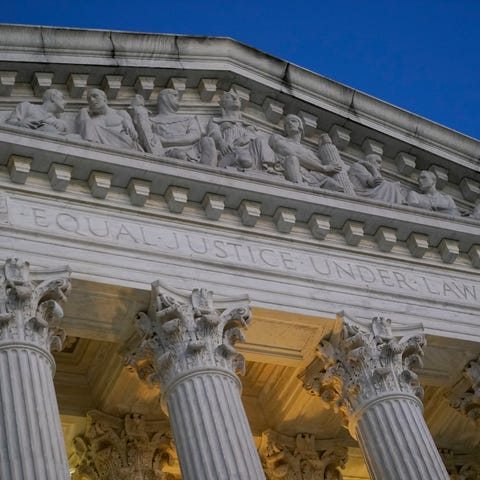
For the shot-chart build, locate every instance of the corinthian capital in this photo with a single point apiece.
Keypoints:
(122, 448)
(29, 304)
(298, 458)
(361, 365)
(469, 402)
(184, 334)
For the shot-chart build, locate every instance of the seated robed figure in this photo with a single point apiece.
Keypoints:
(43, 118)
(430, 198)
(238, 143)
(368, 181)
(323, 169)
(100, 123)
(172, 134)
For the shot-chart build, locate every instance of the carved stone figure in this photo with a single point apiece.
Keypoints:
(299, 163)
(430, 198)
(179, 135)
(100, 123)
(141, 119)
(237, 141)
(368, 181)
(43, 118)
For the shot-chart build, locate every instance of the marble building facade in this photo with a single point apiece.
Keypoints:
(218, 265)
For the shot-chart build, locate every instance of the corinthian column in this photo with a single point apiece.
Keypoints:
(187, 347)
(365, 374)
(31, 439)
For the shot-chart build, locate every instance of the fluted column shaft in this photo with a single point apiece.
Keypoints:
(31, 439)
(187, 347)
(396, 443)
(211, 431)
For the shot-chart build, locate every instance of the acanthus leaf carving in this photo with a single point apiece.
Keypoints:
(30, 304)
(364, 364)
(182, 334)
(122, 449)
(298, 458)
(468, 402)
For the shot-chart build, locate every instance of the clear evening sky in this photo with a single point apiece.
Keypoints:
(421, 55)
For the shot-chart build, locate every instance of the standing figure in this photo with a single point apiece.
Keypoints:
(100, 123)
(45, 117)
(299, 163)
(179, 135)
(430, 198)
(237, 141)
(368, 181)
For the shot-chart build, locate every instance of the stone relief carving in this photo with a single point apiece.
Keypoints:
(469, 402)
(100, 123)
(364, 364)
(30, 304)
(299, 459)
(45, 117)
(368, 181)
(238, 143)
(430, 198)
(122, 449)
(181, 135)
(230, 142)
(178, 335)
(299, 164)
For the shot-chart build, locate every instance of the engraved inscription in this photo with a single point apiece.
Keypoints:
(242, 253)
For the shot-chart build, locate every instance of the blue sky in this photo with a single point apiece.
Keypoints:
(423, 56)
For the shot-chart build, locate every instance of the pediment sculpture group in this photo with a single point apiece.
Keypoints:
(230, 142)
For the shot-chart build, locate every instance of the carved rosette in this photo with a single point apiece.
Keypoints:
(364, 365)
(183, 335)
(29, 305)
(122, 449)
(298, 458)
(469, 402)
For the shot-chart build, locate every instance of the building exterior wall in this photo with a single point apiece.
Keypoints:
(312, 258)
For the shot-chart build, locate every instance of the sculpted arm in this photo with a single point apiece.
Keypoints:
(213, 131)
(21, 116)
(311, 162)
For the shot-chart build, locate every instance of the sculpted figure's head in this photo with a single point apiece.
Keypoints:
(230, 101)
(427, 181)
(293, 125)
(97, 99)
(168, 101)
(53, 101)
(374, 159)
